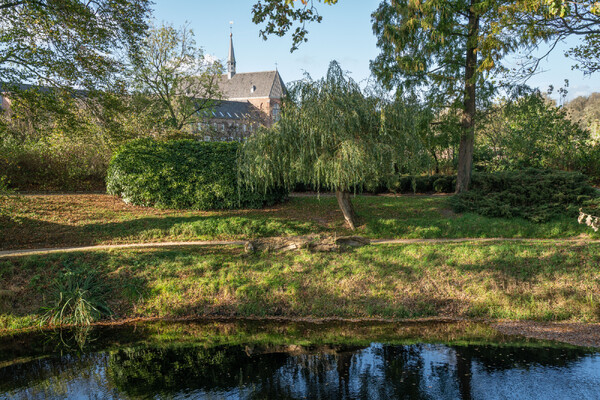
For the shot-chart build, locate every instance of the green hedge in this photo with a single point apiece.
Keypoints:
(401, 184)
(422, 184)
(182, 174)
(536, 195)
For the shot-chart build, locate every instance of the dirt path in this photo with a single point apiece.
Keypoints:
(9, 253)
(14, 253)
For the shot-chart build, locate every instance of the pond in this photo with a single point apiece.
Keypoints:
(269, 359)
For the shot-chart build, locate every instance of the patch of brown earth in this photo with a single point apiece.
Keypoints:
(577, 334)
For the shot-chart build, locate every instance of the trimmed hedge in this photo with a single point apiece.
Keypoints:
(401, 184)
(536, 195)
(182, 174)
(423, 184)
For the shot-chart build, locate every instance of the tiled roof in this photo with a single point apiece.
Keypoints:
(265, 84)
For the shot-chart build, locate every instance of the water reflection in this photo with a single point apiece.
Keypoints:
(279, 369)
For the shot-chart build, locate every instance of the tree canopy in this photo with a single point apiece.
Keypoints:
(68, 42)
(174, 74)
(280, 16)
(332, 135)
(451, 48)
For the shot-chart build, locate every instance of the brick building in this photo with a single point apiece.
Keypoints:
(250, 99)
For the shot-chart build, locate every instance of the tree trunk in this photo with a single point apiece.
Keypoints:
(467, 137)
(345, 204)
(464, 373)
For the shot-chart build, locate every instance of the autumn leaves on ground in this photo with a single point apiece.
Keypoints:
(41, 221)
(498, 280)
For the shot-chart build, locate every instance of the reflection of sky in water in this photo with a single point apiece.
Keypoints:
(580, 380)
(376, 372)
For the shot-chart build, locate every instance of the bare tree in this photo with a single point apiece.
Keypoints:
(172, 71)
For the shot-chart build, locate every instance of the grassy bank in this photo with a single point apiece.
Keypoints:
(64, 220)
(493, 280)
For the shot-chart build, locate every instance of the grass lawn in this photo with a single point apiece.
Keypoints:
(491, 280)
(63, 220)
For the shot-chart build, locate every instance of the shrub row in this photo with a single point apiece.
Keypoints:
(60, 165)
(402, 184)
(536, 195)
(182, 174)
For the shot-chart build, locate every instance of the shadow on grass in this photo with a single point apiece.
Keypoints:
(488, 280)
(31, 233)
(33, 282)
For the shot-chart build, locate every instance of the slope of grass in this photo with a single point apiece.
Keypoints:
(64, 220)
(492, 280)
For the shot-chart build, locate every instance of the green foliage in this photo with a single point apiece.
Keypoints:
(280, 16)
(331, 135)
(52, 140)
(53, 163)
(585, 111)
(173, 75)
(8, 209)
(535, 195)
(78, 297)
(182, 174)
(531, 132)
(70, 42)
(422, 184)
(4, 188)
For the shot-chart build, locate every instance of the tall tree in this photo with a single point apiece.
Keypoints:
(175, 75)
(68, 42)
(450, 47)
(331, 135)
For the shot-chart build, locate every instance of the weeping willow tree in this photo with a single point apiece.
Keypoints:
(332, 135)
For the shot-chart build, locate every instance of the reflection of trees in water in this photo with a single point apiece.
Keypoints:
(376, 372)
(50, 377)
(137, 372)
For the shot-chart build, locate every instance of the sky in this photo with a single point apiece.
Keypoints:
(345, 35)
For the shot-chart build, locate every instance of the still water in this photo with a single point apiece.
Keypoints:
(252, 360)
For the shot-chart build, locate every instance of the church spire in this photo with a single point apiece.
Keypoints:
(231, 59)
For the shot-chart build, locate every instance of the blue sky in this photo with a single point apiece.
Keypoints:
(344, 35)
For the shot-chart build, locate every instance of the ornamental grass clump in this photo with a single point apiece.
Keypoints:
(77, 298)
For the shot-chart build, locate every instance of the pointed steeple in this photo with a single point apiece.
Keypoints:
(231, 59)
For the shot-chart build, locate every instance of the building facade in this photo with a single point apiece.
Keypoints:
(250, 100)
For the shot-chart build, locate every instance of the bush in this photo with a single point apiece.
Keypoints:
(444, 184)
(182, 174)
(423, 184)
(53, 164)
(536, 195)
(399, 184)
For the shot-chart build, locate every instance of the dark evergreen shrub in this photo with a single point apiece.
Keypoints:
(182, 174)
(444, 184)
(536, 195)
